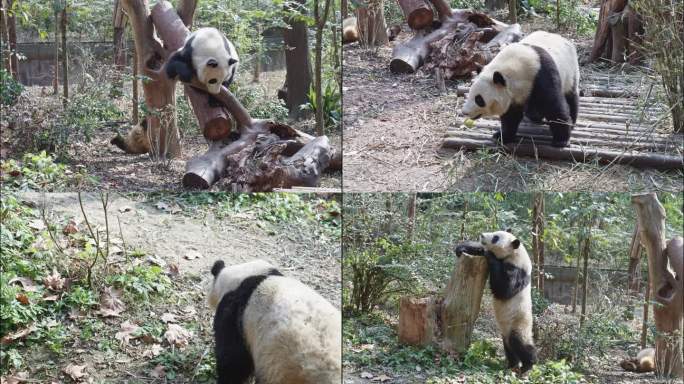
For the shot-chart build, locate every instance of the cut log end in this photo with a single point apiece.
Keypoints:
(217, 129)
(193, 180)
(401, 66)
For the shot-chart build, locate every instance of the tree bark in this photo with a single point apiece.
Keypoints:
(297, 63)
(493, 5)
(4, 39)
(634, 270)
(585, 276)
(666, 284)
(119, 42)
(580, 250)
(618, 34)
(417, 320)
(411, 217)
(462, 299)
(12, 36)
(370, 22)
(65, 55)
(418, 13)
(537, 238)
(135, 97)
(513, 11)
(321, 20)
(644, 322)
(55, 73)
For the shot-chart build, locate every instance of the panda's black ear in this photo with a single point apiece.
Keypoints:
(232, 61)
(499, 79)
(509, 230)
(515, 243)
(218, 266)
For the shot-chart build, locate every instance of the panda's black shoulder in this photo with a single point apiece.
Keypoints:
(180, 62)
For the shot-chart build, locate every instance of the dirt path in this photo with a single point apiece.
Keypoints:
(235, 238)
(394, 126)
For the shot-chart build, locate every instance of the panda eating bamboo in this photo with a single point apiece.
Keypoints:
(509, 279)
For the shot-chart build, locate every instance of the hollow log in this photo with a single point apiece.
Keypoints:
(418, 13)
(462, 298)
(666, 289)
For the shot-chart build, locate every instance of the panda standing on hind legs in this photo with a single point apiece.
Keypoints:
(537, 77)
(509, 279)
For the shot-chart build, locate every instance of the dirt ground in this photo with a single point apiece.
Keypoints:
(167, 231)
(393, 129)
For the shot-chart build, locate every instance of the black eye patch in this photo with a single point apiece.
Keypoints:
(479, 101)
(212, 81)
(495, 239)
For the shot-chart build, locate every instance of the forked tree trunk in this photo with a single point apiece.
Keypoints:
(666, 277)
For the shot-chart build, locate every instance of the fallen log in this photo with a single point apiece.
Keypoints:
(418, 13)
(526, 147)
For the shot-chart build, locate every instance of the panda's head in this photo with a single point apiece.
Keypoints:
(501, 243)
(229, 278)
(213, 57)
(488, 95)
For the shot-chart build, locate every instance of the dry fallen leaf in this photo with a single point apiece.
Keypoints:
(110, 303)
(19, 334)
(27, 284)
(51, 298)
(363, 347)
(54, 281)
(382, 378)
(37, 224)
(173, 269)
(153, 351)
(76, 371)
(127, 331)
(70, 228)
(19, 377)
(177, 335)
(22, 298)
(168, 318)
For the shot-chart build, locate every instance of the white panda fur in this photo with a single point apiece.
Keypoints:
(291, 333)
(208, 55)
(537, 77)
(510, 269)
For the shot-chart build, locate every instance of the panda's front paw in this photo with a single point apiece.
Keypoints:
(499, 139)
(460, 249)
(560, 144)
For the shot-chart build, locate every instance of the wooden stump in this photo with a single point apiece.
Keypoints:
(417, 322)
(418, 13)
(462, 299)
(666, 284)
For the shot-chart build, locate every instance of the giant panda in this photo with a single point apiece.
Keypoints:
(509, 280)
(208, 55)
(136, 140)
(272, 327)
(537, 77)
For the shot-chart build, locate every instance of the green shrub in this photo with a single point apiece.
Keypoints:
(37, 172)
(481, 353)
(539, 302)
(332, 107)
(259, 104)
(10, 89)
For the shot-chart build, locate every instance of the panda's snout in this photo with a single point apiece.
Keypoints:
(212, 63)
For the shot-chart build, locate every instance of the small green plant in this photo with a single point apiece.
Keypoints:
(331, 103)
(259, 104)
(481, 353)
(554, 372)
(140, 281)
(37, 172)
(10, 89)
(539, 302)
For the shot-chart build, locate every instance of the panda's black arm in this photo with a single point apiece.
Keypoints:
(470, 247)
(179, 65)
(505, 279)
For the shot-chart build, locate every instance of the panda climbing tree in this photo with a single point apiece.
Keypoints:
(205, 61)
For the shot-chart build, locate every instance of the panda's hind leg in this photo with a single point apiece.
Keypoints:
(511, 357)
(572, 99)
(527, 353)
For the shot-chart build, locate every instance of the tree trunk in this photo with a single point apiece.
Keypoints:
(12, 36)
(666, 285)
(4, 39)
(55, 72)
(344, 9)
(618, 34)
(537, 238)
(634, 268)
(119, 42)
(418, 324)
(513, 11)
(580, 249)
(370, 21)
(411, 217)
(418, 13)
(136, 116)
(644, 322)
(65, 55)
(298, 65)
(585, 276)
(159, 91)
(320, 20)
(462, 299)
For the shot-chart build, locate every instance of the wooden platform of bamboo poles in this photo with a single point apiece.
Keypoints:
(613, 130)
